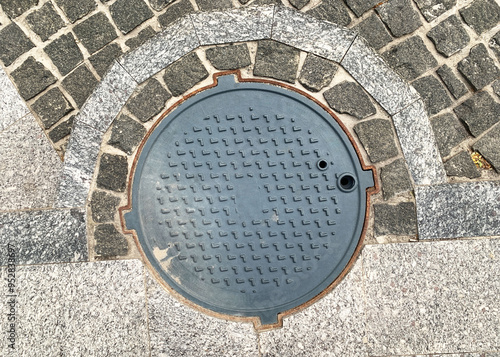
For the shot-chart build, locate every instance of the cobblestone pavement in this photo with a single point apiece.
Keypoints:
(415, 83)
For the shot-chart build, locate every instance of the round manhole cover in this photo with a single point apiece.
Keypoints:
(248, 199)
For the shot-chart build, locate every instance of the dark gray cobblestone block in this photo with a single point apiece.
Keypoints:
(299, 4)
(32, 78)
(462, 165)
(449, 36)
(399, 16)
(159, 5)
(377, 138)
(175, 12)
(80, 84)
(456, 87)
(317, 73)
(431, 9)
(109, 242)
(395, 179)
(266, 2)
(14, 8)
(494, 44)
(333, 11)
(276, 60)
(113, 172)
(496, 87)
(479, 68)
(76, 10)
(210, 5)
(449, 132)
(433, 93)
(479, 113)
(142, 37)
(350, 98)
(400, 219)
(13, 43)
(184, 74)
(126, 134)
(62, 130)
(51, 107)
(45, 22)
(103, 206)
(128, 14)
(95, 32)
(410, 58)
(64, 53)
(229, 57)
(481, 15)
(489, 146)
(149, 101)
(103, 59)
(359, 7)
(374, 31)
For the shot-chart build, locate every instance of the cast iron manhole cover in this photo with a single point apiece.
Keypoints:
(248, 199)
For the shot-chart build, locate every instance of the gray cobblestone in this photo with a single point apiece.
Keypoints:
(449, 36)
(359, 7)
(14, 8)
(62, 130)
(377, 138)
(431, 9)
(399, 16)
(103, 206)
(210, 5)
(149, 101)
(95, 32)
(229, 57)
(299, 4)
(333, 11)
(495, 44)
(175, 11)
(479, 68)
(489, 146)
(496, 87)
(456, 87)
(433, 93)
(142, 37)
(128, 14)
(80, 84)
(102, 60)
(32, 78)
(109, 242)
(276, 60)
(51, 107)
(113, 172)
(76, 10)
(126, 134)
(64, 53)
(184, 74)
(350, 98)
(13, 43)
(317, 73)
(479, 113)
(45, 21)
(374, 31)
(159, 5)
(448, 132)
(481, 15)
(410, 58)
(395, 179)
(400, 219)
(461, 165)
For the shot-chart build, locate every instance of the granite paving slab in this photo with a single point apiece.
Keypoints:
(44, 236)
(439, 297)
(165, 48)
(12, 106)
(418, 145)
(29, 167)
(304, 32)
(384, 85)
(79, 309)
(333, 326)
(468, 209)
(178, 330)
(235, 25)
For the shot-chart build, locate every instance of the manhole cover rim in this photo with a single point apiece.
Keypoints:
(281, 310)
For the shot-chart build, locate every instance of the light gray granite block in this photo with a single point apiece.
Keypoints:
(12, 106)
(108, 98)
(309, 34)
(426, 298)
(160, 51)
(41, 237)
(29, 167)
(377, 78)
(333, 326)
(469, 209)
(178, 330)
(79, 165)
(418, 144)
(234, 25)
(82, 309)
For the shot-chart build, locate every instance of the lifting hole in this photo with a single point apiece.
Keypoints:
(322, 164)
(347, 182)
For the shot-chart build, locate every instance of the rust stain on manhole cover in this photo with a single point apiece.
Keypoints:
(248, 200)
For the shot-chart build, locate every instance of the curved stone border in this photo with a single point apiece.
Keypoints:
(293, 28)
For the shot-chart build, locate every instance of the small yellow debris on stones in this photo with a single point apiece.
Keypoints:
(480, 161)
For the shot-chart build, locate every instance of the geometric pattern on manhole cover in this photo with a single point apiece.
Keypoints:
(248, 199)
